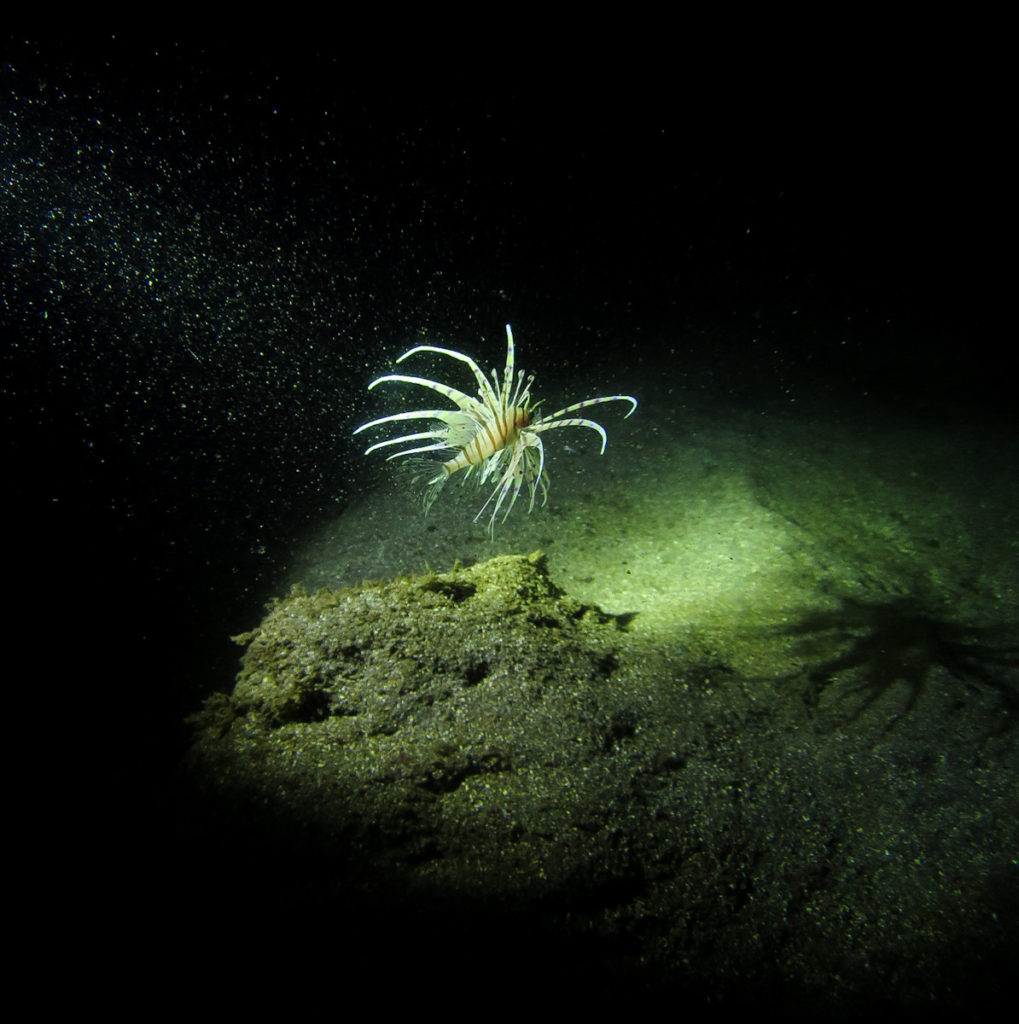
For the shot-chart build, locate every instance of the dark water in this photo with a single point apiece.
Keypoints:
(209, 252)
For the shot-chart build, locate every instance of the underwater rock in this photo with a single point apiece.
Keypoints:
(471, 775)
(454, 729)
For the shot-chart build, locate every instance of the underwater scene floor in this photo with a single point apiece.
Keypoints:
(789, 744)
(757, 531)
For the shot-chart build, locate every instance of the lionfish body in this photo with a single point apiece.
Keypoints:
(496, 435)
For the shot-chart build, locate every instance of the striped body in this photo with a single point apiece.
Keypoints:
(495, 434)
(492, 437)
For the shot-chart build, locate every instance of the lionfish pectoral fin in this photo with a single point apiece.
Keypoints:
(461, 430)
(435, 485)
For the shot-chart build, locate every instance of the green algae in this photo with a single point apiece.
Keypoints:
(466, 712)
(478, 742)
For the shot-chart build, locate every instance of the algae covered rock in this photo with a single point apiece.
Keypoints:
(454, 728)
(466, 774)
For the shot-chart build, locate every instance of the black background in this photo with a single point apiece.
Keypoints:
(791, 223)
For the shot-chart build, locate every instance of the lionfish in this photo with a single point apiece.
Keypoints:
(496, 435)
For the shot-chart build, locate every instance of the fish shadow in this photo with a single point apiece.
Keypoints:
(899, 641)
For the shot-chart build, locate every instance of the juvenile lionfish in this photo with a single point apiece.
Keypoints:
(496, 434)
